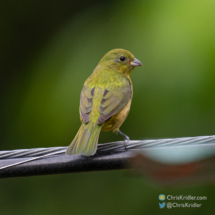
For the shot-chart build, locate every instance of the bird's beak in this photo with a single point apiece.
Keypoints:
(135, 62)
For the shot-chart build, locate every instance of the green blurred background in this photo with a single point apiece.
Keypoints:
(49, 48)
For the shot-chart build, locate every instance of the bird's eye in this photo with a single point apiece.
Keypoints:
(122, 58)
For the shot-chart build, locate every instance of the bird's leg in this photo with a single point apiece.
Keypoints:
(125, 136)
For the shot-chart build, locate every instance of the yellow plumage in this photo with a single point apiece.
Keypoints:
(105, 100)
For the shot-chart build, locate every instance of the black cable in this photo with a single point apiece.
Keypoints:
(43, 161)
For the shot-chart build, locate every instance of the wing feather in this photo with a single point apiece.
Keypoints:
(86, 102)
(113, 102)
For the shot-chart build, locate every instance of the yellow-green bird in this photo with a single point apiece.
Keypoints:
(105, 100)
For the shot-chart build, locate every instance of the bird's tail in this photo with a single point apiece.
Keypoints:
(86, 140)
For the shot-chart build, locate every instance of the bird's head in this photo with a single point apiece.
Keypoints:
(120, 60)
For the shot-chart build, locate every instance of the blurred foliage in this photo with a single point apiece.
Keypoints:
(49, 48)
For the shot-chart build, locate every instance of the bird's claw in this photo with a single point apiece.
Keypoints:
(126, 140)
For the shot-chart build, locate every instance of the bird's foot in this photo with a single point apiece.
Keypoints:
(126, 138)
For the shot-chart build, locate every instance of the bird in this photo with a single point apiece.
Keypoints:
(105, 101)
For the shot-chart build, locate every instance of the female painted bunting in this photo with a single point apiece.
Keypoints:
(105, 100)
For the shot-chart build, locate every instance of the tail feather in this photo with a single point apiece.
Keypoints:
(86, 140)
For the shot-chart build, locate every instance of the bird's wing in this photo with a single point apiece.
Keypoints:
(86, 102)
(114, 100)
(114, 94)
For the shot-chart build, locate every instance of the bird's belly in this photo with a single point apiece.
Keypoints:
(116, 121)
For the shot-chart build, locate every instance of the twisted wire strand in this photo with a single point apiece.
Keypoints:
(119, 146)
